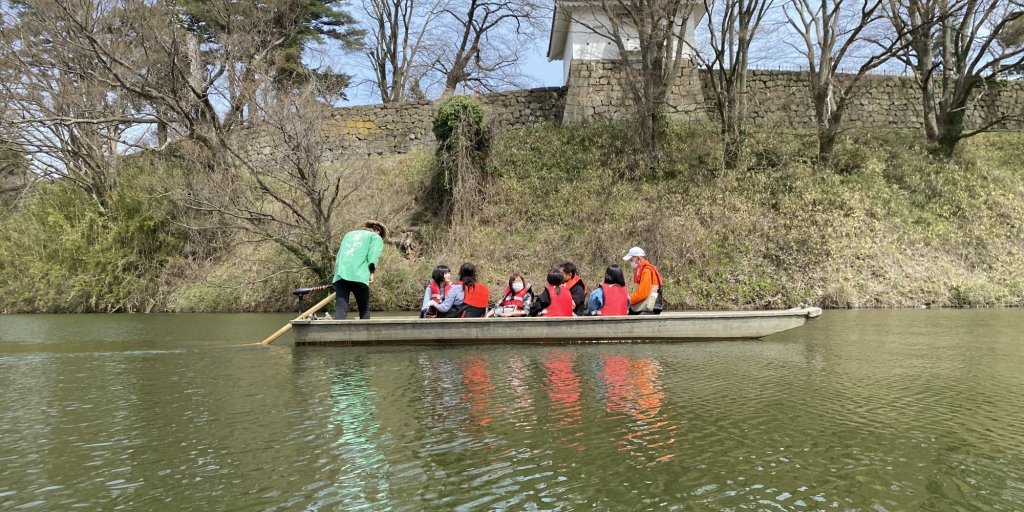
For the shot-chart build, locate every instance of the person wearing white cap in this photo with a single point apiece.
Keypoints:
(647, 297)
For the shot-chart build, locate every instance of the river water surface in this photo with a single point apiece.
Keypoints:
(860, 410)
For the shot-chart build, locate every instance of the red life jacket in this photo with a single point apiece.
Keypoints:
(581, 306)
(616, 300)
(514, 300)
(561, 303)
(435, 291)
(644, 264)
(477, 296)
(572, 282)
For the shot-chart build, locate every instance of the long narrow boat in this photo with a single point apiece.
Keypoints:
(674, 326)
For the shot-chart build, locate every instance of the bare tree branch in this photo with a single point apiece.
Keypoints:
(830, 30)
(732, 27)
(954, 47)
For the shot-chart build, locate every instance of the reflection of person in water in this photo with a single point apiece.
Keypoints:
(363, 481)
(632, 388)
(517, 375)
(477, 382)
(440, 383)
(564, 388)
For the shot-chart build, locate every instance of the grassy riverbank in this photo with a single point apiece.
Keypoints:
(891, 226)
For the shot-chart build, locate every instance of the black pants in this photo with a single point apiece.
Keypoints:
(362, 292)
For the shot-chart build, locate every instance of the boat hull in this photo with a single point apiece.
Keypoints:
(674, 326)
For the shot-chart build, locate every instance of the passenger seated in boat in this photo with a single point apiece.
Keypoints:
(516, 300)
(648, 297)
(467, 298)
(555, 300)
(436, 290)
(610, 298)
(576, 287)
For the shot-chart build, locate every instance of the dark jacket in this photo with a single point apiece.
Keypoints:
(540, 302)
(579, 296)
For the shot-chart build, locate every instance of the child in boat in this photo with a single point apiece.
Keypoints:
(610, 298)
(555, 300)
(516, 300)
(437, 289)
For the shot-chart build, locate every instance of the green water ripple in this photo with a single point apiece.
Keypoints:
(862, 410)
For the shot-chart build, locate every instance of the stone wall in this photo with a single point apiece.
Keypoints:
(777, 98)
(596, 91)
(400, 128)
(782, 98)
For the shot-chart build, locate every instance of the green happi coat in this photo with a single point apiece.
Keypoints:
(359, 249)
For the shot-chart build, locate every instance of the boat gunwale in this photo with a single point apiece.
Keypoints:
(810, 312)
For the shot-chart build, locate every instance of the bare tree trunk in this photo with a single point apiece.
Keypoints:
(732, 30)
(651, 50)
(829, 33)
(399, 34)
(954, 47)
(490, 40)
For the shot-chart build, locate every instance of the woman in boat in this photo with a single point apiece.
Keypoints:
(647, 297)
(577, 288)
(516, 300)
(436, 290)
(555, 300)
(610, 298)
(467, 298)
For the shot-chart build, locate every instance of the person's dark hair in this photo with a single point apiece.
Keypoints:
(437, 275)
(556, 278)
(569, 268)
(516, 275)
(467, 274)
(613, 275)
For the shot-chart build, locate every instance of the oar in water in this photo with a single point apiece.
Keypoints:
(327, 300)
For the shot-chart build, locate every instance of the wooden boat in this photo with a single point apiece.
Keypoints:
(669, 326)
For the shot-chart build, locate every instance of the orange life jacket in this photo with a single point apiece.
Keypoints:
(561, 303)
(512, 299)
(477, 296)
(644, 264)
(616, 300)
(581, 306)
(572, 282)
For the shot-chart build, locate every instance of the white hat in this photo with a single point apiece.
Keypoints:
(635, 251)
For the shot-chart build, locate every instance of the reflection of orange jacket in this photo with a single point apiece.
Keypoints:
(645, 276)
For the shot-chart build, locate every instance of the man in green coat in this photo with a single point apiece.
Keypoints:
(355, 265)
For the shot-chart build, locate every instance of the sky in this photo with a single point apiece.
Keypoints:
(776, 48)
(535, 67)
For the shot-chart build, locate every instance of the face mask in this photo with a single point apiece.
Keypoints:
(633, 264)
(517, 287)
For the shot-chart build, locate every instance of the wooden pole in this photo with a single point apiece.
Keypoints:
(287, 327)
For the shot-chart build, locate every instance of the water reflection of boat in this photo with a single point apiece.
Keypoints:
(674, 326)
(632, 389)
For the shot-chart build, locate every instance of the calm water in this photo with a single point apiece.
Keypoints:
(861, 410)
